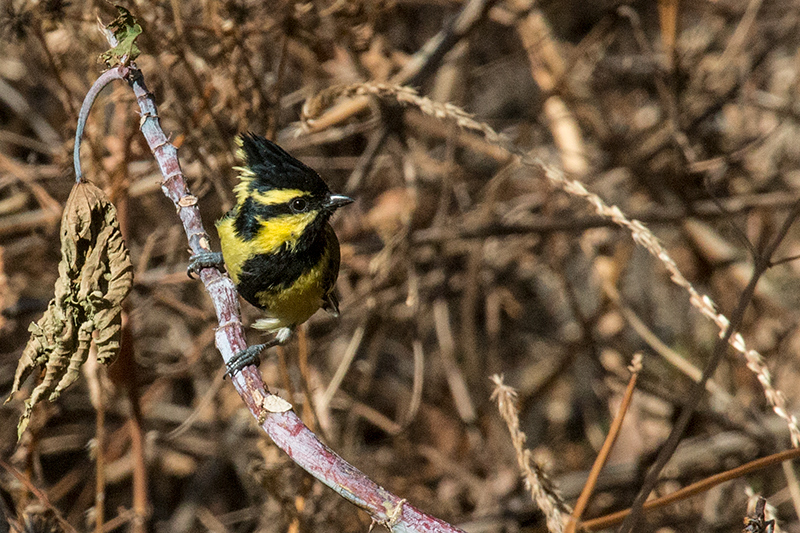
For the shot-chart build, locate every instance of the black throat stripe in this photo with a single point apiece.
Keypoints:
(279, 270)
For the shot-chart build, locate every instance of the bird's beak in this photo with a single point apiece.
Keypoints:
(338, 200)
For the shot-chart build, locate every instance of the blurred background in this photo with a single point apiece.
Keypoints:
(457, 262)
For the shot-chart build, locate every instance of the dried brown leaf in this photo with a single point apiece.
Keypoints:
(95, 275)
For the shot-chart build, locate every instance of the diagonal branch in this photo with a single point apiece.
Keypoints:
(274, 415)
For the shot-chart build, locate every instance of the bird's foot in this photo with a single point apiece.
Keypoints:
(249, 356)
(204, 260)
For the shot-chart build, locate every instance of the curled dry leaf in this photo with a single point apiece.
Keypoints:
(95, 275)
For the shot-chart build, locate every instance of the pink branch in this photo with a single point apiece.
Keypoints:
(284, 428)
(104, 79)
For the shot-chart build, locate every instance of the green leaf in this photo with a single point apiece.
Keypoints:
(125, 30)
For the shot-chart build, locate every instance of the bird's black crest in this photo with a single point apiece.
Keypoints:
(274, 168)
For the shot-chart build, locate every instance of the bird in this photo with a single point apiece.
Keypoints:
(277, 243)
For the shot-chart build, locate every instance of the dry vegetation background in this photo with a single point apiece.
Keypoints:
(458, 263)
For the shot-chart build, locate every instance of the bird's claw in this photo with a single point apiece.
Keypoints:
(204, 260)
(249, 356)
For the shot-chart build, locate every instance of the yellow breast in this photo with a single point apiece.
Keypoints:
(295, 304)
(284, 306)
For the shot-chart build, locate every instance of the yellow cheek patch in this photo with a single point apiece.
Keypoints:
(272, 234)
(279, 230)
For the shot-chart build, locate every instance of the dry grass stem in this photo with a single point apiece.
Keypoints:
(703, 303)
(542, 489)
(315, 106)
(556, 177)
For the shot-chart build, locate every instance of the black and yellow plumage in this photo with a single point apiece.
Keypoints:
(277, 244)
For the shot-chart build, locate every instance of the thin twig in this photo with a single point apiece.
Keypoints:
(99, 84)
(416, 389)
(604, 522)
(283, 372)
(792, 484)
(344, 366)
(49, 138)
(602, 457)
(91, 371)
(275, 93)
(141, 503)
(41, 496)
(121, 519)
(455, 378)
(309, 413)
(205, 402)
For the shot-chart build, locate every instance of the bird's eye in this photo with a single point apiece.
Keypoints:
(298, 205)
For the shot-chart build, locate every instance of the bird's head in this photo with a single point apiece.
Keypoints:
(280, 183)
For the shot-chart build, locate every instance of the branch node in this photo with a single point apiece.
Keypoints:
(394, 514)
(188, 200)
(272, 403)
